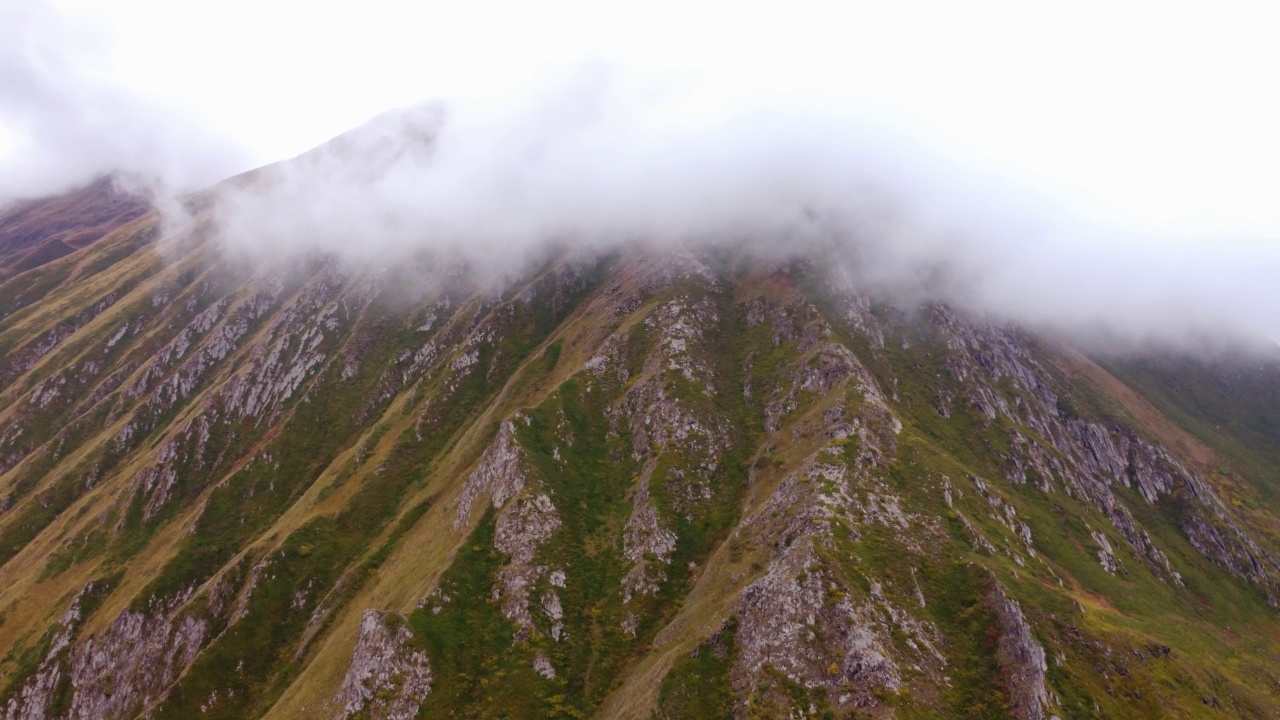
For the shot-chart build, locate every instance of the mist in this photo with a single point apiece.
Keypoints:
(63, 123)
(601, 159)
(1107, 172)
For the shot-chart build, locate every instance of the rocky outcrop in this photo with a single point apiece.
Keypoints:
(499, 474)
(1092, 459)
(117, 674)
(523, 525)
(35, 697)
(658, 413)
(133, 663)
(1022, 658)
(800, 621)
(646, 544)
(387, 678)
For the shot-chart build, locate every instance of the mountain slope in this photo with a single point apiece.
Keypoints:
(671, 484)
(34, 232)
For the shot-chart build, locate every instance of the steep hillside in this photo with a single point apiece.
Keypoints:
(641, 484)
(1233, 403)
(34, 232)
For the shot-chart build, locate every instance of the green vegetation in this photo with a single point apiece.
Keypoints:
(291, 515)
(469, 643)
(698, 685)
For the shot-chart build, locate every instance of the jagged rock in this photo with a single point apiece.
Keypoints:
(1106, 555)
(645, 543)
(787, 621)
(134, 662)
(542, 666)
(499, 473)
(386, 678)
(1022, 659)
(523, 525)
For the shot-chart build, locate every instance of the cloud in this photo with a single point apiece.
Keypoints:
(981, 157)
(600, 157)
(595, 157)
(62, 124)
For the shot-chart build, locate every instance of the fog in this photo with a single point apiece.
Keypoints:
(63, 123)
(598, 159)
(1110, 172)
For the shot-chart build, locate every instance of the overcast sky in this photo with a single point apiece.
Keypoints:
(1150, 130)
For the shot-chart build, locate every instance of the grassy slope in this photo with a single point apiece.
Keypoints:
(366, 519)
(1233, 406)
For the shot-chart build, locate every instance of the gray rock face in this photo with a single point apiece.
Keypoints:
(386, 680)
(1022, 659)
(1106, 555)
(523, 525)
(36, 694)
(499, 474)
(646, 544)
(1090, 460)
(798, 619)
(133, 663)
(542, 666)
(117, 674)
(795, 620)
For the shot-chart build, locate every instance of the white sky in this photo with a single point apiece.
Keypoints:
(1165, 113)
(1154, 124)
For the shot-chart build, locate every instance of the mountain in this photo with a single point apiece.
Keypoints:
(690, 483)
(34, 232)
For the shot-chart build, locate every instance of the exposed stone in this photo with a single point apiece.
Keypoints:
(645, 543)
(542, 666)
(1106, 555)
(787, 620)
(499, 474)
(522, 526)
(1022, 658)
(386, 679)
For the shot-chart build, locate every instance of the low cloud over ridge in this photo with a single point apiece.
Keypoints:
(1080, 166)
(601, 159)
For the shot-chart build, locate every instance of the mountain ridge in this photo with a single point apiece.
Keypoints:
(638, 483)
(36, 231)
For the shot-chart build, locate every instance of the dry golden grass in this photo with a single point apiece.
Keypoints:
(31, 603)
(414, 567)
